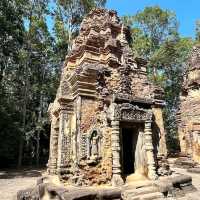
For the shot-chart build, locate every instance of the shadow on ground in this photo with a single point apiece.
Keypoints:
(26, 172)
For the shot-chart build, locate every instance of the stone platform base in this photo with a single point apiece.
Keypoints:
(170, 187)
(195, 170)
(184, 163)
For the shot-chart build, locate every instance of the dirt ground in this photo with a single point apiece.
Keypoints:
(12, 181)
(195, 182)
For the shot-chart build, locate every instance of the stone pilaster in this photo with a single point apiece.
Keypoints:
(116, 166)
(53, 154)
(78, 131)
(157, 111)
(149, 151)
(62, 162)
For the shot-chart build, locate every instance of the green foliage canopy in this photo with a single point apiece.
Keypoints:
(156, 38)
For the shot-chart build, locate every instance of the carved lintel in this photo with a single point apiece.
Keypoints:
(129, 112)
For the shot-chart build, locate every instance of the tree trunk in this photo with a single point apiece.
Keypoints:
(38, 149)
(21, 144)
(26, 90)
(154, 73)
(20, 154)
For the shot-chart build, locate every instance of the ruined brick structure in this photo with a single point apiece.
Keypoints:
(189, 113)
(106, 120)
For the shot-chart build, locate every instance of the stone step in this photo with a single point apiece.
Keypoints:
(195, 170)
(138, 192)
(149, 196)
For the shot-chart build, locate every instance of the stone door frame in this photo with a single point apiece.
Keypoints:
(135, 128)
(127, 112)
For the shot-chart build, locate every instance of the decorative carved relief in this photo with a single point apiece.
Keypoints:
(94, 146)
(129, 112)
(83, 146)
(125, 80)
(101, 81)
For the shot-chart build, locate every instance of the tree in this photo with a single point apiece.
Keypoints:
(173, 56)
(11, 34)
(197, 30)
(30, 60)
(11, 41)
(155, 37)
(40, 76)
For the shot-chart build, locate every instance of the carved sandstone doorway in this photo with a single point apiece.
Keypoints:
(144, 162)
(133, 150)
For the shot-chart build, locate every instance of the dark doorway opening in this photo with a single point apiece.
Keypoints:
(129, 141)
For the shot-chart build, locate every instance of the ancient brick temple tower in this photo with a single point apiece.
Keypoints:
(106, 120)
(189, 113)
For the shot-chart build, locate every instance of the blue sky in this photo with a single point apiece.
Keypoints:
(187, 11)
